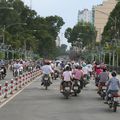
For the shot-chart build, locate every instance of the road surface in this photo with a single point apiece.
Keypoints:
(36, 103)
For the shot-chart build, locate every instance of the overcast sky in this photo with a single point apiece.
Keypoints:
(67, 9)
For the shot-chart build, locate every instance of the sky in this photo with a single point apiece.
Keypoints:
(67, 9)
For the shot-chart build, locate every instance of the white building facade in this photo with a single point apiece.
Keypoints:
(85, 16)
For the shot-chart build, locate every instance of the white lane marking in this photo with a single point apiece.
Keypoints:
(9, 99)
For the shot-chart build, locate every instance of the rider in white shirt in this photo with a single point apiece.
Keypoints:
(16, 67)
(47, 70)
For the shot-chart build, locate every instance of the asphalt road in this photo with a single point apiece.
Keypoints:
(36, 103)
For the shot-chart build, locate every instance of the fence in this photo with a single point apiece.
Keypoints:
(17, 84)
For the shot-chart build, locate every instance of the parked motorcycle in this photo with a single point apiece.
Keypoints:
(113, 101)
(46, 81)
(76, 87)
(66, 89)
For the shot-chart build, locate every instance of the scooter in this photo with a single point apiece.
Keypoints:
(85, 80)
(113, 101)
(46, 81)
(66, 89)
(56, 74)
(2, 74)
(76, 87)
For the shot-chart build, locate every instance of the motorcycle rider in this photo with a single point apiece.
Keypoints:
(103, 78)
(86, 73)
(78, 75)
(66, 77)
(113, 85)
(47, 70)
(97, 73)
(16, 67)
(3, 71)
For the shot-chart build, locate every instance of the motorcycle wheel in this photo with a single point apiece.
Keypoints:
(66, 96)
(75, 94)
(110, 105)
(46, 87)
(103, 96)
(115, 107)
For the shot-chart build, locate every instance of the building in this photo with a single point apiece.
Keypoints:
(101, 15)
(85, 15)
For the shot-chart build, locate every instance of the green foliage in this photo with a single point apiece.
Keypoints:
(2, 55)
(62, 50)
(112, 29)
(111, 33)
(81, 32)
(38, 35)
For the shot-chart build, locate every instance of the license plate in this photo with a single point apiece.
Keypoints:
(67, 88)
(104, 90)
(116, 99)
(45, 78)
(75, 88)
(103, 87)
(109, 95)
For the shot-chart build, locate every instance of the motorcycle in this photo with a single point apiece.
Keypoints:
(85, 80)
(56, 74)
(2, 74)
(97, 80)
(102, 92)
(76, 87)
(66, 89)
(15, 73)
(20, 72)
(113, 101)
(29, 69)
(46, 81)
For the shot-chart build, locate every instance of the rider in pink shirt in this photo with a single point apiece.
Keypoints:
(77, 73)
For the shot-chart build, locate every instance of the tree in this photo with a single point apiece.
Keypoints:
(38, 35)
(81, 32)
(111, 33)
(111, 30)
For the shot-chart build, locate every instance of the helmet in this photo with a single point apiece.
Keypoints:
(114, 73)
